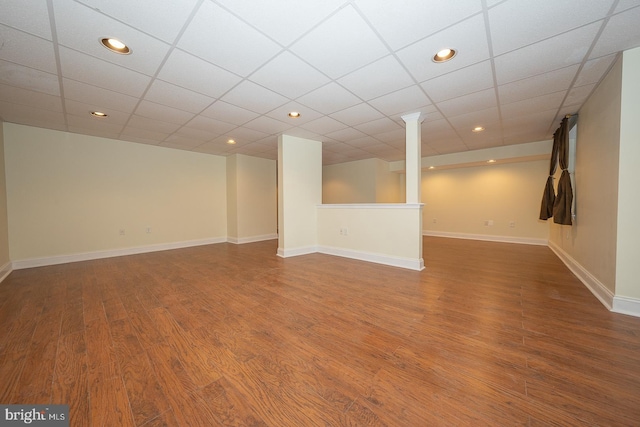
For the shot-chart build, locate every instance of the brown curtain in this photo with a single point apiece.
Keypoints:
(549, 195)
(564, 199)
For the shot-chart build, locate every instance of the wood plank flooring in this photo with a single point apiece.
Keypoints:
(489, 334)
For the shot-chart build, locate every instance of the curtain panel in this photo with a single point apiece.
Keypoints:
(558, 206)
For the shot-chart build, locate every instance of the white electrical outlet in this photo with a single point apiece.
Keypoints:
(344, 231)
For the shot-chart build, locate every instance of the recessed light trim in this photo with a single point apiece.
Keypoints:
(231, 141)
(477, 129)
(99, 114)
(444, 55)
(491, 161)
(294, 114)
(432, 167)
(115, 45)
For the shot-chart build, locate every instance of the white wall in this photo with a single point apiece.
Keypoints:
(591, 241)
(628, 236)
(459, 201)
(71, 194)
(252, 198)
(4, 224)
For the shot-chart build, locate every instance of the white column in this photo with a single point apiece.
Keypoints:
(413, 156)
(299, 194)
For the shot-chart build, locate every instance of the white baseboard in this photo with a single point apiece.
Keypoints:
(487, 237)
(408, 263)
(252, 239)
(604, 295)
(626, 305)
(86, 256)
(5, 270)
(303, 250)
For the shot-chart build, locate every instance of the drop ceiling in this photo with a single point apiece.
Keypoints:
(206, 71)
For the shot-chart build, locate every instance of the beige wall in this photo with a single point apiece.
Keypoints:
(459, 201)
(70, 194)
(627, 252)
(591, 241)
(4, 224)
(253, 196)
(299, 194)
(361, 181)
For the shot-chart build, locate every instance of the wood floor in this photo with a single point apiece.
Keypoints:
(489, 334)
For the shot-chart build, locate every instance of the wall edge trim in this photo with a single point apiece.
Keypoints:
(110, 253)
(486, 237)
(251, 239)
(626, 305)
(401, 262)
(604, 295)
(6, 270)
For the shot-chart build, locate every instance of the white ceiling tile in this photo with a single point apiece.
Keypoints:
(29, 16)
(27, 78)
(283, 20)
(161, 18)
(78, 66)
(324, 125)
(99, 132)
(538, 122)
(405, 21)
(155, 125)
(143, 134)
(460, 82)
(268, 125)
(202, 77)
(180, 142)
(211, 148)
(435, 126)
(86, 122)
(102, 98)
(253, 97)
(229, 113)
(30, 98)
(518, 23)
(289, 76)
(304, 133)
(357, 114)
(155, 111)
(535, 59)
(541, 84)
(408, 100)
(346, 134)
(393, 137)
(341, 44)
(196, 134)
(621, 33)
(244, 135)
(220, 38)
(579, 94)
(468, 103)
(136, 139)
(165, 93)
(26, 49)
(329, 99)
(208, 124)
(379, 125)
(533, 105)
(379, 78)
(29, 115)
(594, 70)
(476, 118)
(469, 38)
(626, 4)
(81, 29)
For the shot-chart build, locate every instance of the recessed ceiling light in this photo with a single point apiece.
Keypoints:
(99, 114)
(115, 45)
(294, 114)
(491, 161)
(432, 167)
(444, 55)
(477, 129)
(231, 141)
